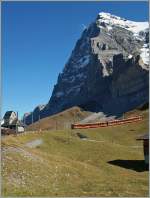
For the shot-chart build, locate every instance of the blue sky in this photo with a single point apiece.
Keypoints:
(37, 40)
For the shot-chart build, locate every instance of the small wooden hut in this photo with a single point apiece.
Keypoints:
(145, 139)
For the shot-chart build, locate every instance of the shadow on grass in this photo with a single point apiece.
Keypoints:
(136, 165)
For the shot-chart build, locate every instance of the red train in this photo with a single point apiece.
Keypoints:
(107, 123)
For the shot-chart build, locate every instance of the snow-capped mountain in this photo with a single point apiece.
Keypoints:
(112, 20)
(139, 30)
(107, 70)
(30, 117)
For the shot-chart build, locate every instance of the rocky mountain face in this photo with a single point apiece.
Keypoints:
(33, 116)
(108, 70)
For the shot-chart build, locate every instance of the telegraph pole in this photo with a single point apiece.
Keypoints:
(24, 122)
(32, 117)
(17, 123)
(39, 122)
(123, 116)
(56, 124)
(68, 131)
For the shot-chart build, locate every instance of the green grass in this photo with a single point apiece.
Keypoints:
(64, 165)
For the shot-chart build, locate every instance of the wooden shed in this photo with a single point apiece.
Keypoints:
(145, 139)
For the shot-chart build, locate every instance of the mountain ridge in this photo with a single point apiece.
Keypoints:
(113, 53)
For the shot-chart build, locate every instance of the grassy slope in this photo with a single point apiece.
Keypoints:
(61, 120)
(64, 165)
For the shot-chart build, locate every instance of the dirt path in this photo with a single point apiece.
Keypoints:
(34, 143)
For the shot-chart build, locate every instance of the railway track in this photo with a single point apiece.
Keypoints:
(107, 123)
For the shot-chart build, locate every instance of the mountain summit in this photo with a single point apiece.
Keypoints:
(112, 20)
(107, 70)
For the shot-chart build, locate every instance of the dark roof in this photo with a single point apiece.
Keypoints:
(143, 137)
(8, 114)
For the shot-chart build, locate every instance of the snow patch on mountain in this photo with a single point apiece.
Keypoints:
(72, 79)
(145, 54)
(74, 90)
(109, 28)
(59, 94)
(81, 75)
(82, 62)
(112, 20)
(41, 107)
(130, 56)
(105, 71)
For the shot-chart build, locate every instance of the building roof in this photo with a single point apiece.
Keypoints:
(9, 121)
(143, 137)
(8, 114)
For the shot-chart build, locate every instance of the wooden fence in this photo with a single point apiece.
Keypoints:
(107, 123)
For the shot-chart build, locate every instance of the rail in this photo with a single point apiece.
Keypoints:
(107, 123)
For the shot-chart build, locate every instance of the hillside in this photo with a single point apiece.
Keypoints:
(61, 120)
(58, 163)
(65, 118)
(140, 110)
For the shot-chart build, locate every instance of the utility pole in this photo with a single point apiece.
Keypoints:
(74, 118)
(23, 120)
(23, 123)
(123, 116)
(68, 131)
(39, 122)
(17, 124)
(56, 124)
(66, 127)
(32, 117)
